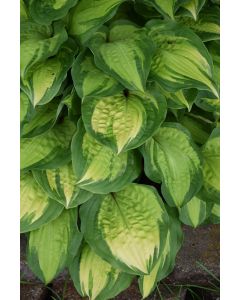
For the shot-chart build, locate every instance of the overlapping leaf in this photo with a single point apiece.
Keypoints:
(49, 150)
(165, 7)
(126, 56)
(125, 120)
(171, 158)
(95, 278)
(98, 168)
(36, 208)
(193, 7)
(181, 59)
(46, 11)
(48, 246)
(128, 228)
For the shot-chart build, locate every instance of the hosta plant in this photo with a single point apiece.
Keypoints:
(119, 136)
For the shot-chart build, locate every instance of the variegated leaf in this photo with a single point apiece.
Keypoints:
(48, 150)
(95, 278)
(207, 101)
(23, 11)
(46, 11)
(41, 118)
(171, 158)
(45, 80)
(98, 168)
(125, 120)
(181, 59)
(36, 208)
(165, 7)
(38, 42)
(166, 261)
(89, 15)
(128, 228)
(193, 7)
(211, 167)
(126, 57)
(91, 81)
(60, 184)
(207, 26)
(49, 246)
(195, 212)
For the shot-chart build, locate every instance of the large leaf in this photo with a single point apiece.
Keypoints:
(125, 56)
(38, 42)
(171, 157)
(166, 261)
(98, 168)
(49, 246)
(60, 184)
(195, 212)
(46, 78)
(36, 208)
(49, 150)
(193, 7)
(46, 11)
(165, 7)
(91, 81)
(128, 228)
(125, 120)
(181, 59)
(211, 167)
(41, 118)
(89, 15)
(95, 278)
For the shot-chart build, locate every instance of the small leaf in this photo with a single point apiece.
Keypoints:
(49, 150)
(125, 120)
(195, 212)
(128, 228)
(36, 208)
(171, 158)
(47, 11)
(91, 81)
(98, 168)
(127, 59)
(181, 59)
(93, 277)
(39, 42)
(60, 184)
(48, 246)
(89, 15)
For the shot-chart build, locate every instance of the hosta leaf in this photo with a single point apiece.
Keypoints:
(38, 42)
(193, 7)
(95, 278)
(165, 7)
(211, 167)
(36, 208)
(207, 26)
(181, 59)
(48, 246)
(172, 158)
(89, 15)
(128, 59)
(45, 81)
(24, 108)
(128, 228)
(125, 120)
(49, 150)
(91, 81)
(207, 101)
(23, 11)
(41, 118)
(166, 261)
(195, 212)
(215, 214)
(60, 184)
(199, 127)
(98, 168)
(46, 11)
